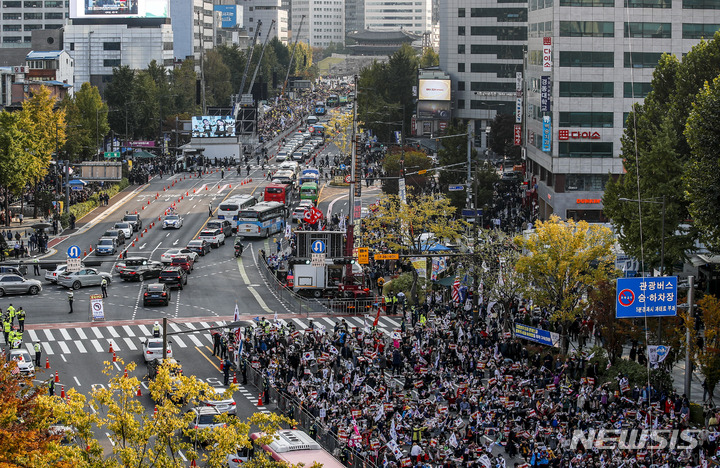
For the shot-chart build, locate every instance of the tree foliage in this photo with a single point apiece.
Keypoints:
(706, 356)
(502, 137)
(562, 261)
(412, 161)
(87, 122)
(429, 58)
(339, 131)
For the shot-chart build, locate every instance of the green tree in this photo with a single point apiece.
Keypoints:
(87, 122)
(411, 161)
(42, 121)
(562, 261)
(217, 80)
(705, 355)
(429, 58)
(702, 177)
(452, 151)
(502, 137)
(119, 96)
(234, 58)
(182, 89)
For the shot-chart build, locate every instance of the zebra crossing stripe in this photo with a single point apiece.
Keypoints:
(80, 347)
(65, 334)
(98, 335)
(63, 347)
(144, 330)
(81, 333)
(49, 335)
(128, 330)
(174, 327)
(46, 346)
(97, 346)
(195, 340)
(130, 344)
(33, 336)
(392, 322)
(114, 345)
(176, 340)
(112, 332)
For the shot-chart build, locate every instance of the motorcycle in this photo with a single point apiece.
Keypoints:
(238, 249)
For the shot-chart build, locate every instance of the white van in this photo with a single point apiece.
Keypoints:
(290, 166)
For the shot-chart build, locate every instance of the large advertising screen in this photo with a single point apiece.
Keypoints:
(434, 90)
(213, 126)
(433, 110)
(230, 15)
(119, 8)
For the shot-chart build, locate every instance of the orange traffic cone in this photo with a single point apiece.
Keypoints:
(125, 373)
(91, 249)
(192, 462)
(84, 253)
(260, 403)
(57, 377)
(114, 358)
(111, 348)
(62, 391)
(155, 412)
(47, 363)
(139, 393)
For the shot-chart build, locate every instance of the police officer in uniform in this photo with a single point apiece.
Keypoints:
(36, 267)
(226, 372)
(21, 319)
(103, 286)
(70, 301)
(11, 314)
(51, 387)
(38, 353)
(156, 330)
(313, 430)
(7, 328)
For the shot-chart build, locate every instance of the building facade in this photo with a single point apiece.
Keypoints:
(266, 11)
(588, 62)
(411, 15)
(98, 48)
(324, 21)
(482, 46)
(354, 15)
(21, 17)
(192, 25)
(54, 65)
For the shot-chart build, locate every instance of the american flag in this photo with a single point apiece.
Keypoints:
(456, 290)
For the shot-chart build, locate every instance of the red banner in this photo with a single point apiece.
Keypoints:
(518, 135)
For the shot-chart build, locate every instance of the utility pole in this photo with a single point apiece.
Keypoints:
(351, 196)
(292, 56)
(67, 186)
(688, 363)
(164, 338)
(202, 63)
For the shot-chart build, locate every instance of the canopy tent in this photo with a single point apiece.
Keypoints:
(438, 248)
(447, 281)
(143, 155)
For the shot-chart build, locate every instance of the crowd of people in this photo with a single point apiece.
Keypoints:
(451, 389)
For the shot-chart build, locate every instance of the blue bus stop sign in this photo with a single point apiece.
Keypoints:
(651, 297)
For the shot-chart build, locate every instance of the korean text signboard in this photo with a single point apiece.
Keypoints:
(547, 54)
(546, 134)
(652, 297)
(537, 335)
(544, 94)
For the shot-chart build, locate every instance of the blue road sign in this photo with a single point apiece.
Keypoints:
(342, 167)
(468, 213)
(74, 251)
(455, 188)
(652, 297)
(318, 247)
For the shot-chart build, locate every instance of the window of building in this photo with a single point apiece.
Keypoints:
(587, 29)
(111, 46)
(503, 15)
(461, 12)
(648, 3)
(461, 30)
(699, 31)
(502, 33)
(9, 4)
(502, 70)
(586, 182)
(53, 16)
(33, 16)
(461, 48)
(586, 59)
(586, 119)
(588, 3)
(461, 67)
(598, 89)
(501, 107)
(461, 86)
(701, 4)
(461, 104)
(648, 30)
(11, 27)
(167, 46)
(12, 16)
(637, 90)
(595, 149)
(12, 39)
(111, 62)
(642, 59)
(492, 86)
(33, 4)
(501, 51)
(72, 46)
(53, 4)
(539, 4)
(32, 27)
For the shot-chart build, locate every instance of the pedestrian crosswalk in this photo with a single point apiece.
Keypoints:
(97, 339)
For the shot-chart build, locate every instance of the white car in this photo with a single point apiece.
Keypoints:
(172, 221)
(52, 276)
(24, 361)
(214, 237)
(152, 348)
(219, 401)
(172, 253)
(126, 228)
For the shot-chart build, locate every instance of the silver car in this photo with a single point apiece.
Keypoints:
(15, 284)
(219, 401)
(84, 277)
(172, 221)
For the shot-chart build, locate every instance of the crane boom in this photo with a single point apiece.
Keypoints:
(262, 52)
(287, 75)
(249, 59)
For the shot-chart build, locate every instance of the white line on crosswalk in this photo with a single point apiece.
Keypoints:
(30, 349)
(47, 348)
(392, 322)
(115, 347)
(112, 332)
(33, 335)
(190, 326)
(128, 330)
(65, 334)
(49, 335)
(63, 347)
(81, 333)
(130, 344)
(300, 324)
(330, 321)
(97, 346)
(175, 327)
(195, 340)
(144, 330)
(98, 335)
(176, 340)
(80, 347)
(204, 325)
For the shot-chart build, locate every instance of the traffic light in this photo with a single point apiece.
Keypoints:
(344, 261)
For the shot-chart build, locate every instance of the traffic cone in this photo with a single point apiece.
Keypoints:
(148, 202)
(206, 187)
(91, 249)
(111, 346)
(188, 193)
(135, 211)
(260, 403)
(84, 253)
(132, 245)
(57, 377)
(192, 462)
(125, 375)
(193, 190)
(62, 391)
(229, 186)
(155, 412)
(139, 393)
(47, 363)
(235, 378)
(222, 366)
(114, 358)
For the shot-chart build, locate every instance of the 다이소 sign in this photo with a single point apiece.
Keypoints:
(651, 297)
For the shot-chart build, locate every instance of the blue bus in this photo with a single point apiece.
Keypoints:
(261, 220)
(320, 108)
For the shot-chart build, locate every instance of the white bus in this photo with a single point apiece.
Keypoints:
(293, 446)
(230, 208)
(261, 220)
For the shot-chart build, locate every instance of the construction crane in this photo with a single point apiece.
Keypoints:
(287, 75)
(247, 66)
(262, 52)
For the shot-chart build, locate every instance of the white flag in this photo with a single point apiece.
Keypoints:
(485, 460)
(454, 443)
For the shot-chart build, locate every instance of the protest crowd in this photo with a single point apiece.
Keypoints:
(451, 390)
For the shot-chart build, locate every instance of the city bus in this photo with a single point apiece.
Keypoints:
(320, 108)
(261, 220)
(310, 175)
(280, 193)
(294, 447)
(343, 100)
(309, 191)
(316, 130)
(230, 208)
(333, 100)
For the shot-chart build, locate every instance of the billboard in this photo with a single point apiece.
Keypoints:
(119, 8)
(433, 110)
(230, 15)
(213, 126)
(434, 90)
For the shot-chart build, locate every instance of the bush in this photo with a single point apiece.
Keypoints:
(81, 209)
(637, 375)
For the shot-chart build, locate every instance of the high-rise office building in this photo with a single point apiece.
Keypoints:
(354, 15)
(482, 45)
(192, 24)
(588, 62)
(411, 15)
(20, 18)
(324, 21)
(266, 11)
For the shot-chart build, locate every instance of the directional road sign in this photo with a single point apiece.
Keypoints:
(456, 188)
(651, 297)
(390, 256)
(74, 264)
(112, 154)
(74, 251)
(317, 246)
(470, 213)
(363, 255)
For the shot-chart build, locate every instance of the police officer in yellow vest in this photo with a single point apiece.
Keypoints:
(156, 330)
(394, 304)
(11, 314)
(38, 353)
(7, 328)
(21, 319)
(103, 287)
(422, 320)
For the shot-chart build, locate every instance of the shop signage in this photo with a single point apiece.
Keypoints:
(544, 94)
(588, 201)
(547, 134)
(577, 135)
(547, 54)
(518, 135)
(518, 109)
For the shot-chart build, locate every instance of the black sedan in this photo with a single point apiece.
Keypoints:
(199, 246)
(157, 293)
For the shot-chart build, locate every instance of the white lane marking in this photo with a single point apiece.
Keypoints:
(176, 340)
(112, 331)
(81, 333)
(48, 349)
(49, 335)
(330, 321)
(63, 358)
(143, 246)
(167, 235)
(190, 326)
(156, 247)
(130, 344)
(174, 327)
(204, 325)
(65, 334)
(97, 346)
(63, 347)
(80, 347)
(182, 456)
(195, 340)
(300, 324)
(77, 382)
(243, 273)
(30, 348)
(144, 330)
(33, 336)
(98, 335)
(128, 330)
(391, 321)
(259, 300)
(176, 240)
(111, 441)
